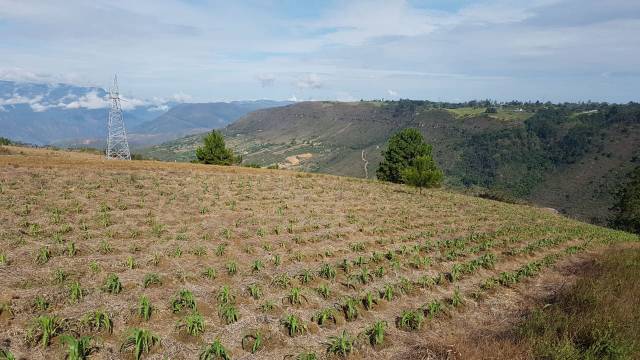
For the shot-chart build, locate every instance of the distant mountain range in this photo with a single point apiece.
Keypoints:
(570, 157)
(69, 115)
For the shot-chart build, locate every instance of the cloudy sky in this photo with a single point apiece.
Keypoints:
(558, 50)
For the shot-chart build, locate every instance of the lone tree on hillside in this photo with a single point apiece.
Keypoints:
(214, 151)
(627, 206)
(423, 173)
(404, 148)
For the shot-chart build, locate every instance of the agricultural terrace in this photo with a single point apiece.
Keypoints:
(180, 261)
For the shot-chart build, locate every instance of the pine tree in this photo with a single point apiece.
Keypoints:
(404, 147)
(214, 151)
(423, 173)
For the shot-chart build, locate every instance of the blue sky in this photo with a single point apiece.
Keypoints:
(558, 50)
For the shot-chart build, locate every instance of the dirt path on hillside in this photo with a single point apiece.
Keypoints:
(483, 329)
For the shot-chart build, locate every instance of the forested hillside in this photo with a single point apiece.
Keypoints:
(571, 157)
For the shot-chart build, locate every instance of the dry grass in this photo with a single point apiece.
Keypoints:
(137, 218)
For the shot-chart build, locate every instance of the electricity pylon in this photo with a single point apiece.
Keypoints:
(117, 144)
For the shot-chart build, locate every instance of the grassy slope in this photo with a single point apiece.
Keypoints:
(170, 219)
(494, 151)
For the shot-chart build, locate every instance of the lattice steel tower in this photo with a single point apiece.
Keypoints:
(117, 144)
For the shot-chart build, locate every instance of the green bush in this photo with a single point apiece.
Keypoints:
(214, 151)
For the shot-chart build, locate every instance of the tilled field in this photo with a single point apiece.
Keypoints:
(199, 261)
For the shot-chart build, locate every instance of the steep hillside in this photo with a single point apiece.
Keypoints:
(567, 156)
(90, 247)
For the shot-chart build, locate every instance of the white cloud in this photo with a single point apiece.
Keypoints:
(180, 97)
(309, 81)
(293, 98)
(266, 79)
(89, 101)
(392, 93)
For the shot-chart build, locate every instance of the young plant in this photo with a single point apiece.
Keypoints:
(456, 299)
(255, 291)
(410, 320)
(45, 328)
(6, 355)
(295, 296)
(221, 249)
(257, 266)
(59, 276)
(387, 293)
(76, 293)
(232, 268)
(267, 306)
(209, 273)
(253, 342)
(305, 276)
(130, 263)
(349, 308)
(98, 320)
(434, 308)
(376, 332)
(324, 315)
(40, 303)
(183, 300)
(145, 309)
(193, 324)
(140, 341)
(225, 296)
(294, 325)
(340, 345)
(112, 284)
(282, 280)
(214, 351)
(368, 301)
(327, 271)
(228, 313)
(323, 290)
(43, 255)
(277, 260)
(151, 279)
(77, 348)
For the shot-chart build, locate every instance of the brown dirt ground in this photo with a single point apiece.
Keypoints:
(49, 199)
